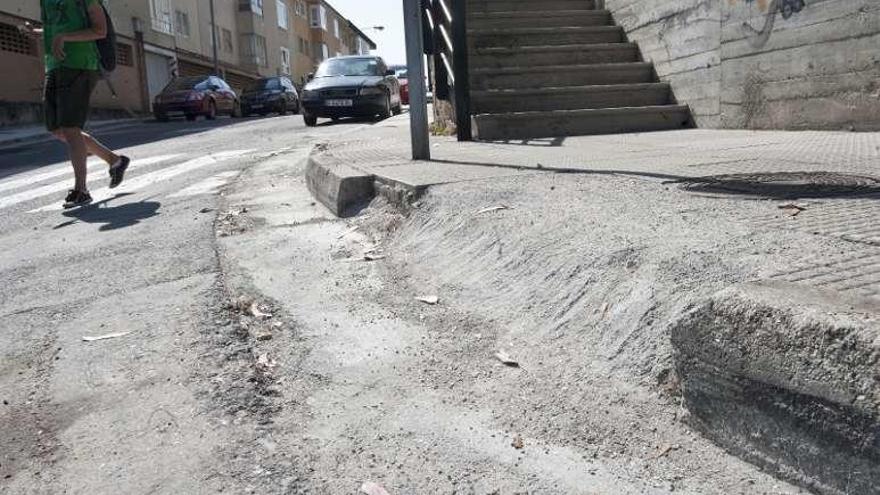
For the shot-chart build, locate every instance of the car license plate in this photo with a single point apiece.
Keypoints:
(339, 103)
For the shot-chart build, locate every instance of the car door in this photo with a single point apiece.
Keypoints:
(223, 95)
(391, 83)
(289, 92)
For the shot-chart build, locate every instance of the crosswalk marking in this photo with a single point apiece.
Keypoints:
(142, 181)
(55, 187)
(207, 186)
(65, 169)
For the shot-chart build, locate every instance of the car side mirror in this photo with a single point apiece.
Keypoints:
(310, 76)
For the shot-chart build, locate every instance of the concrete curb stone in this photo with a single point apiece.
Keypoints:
(788, 379)
(338, 186)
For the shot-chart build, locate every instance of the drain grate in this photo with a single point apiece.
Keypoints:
(785, 185)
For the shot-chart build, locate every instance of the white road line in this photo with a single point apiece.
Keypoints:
(46, 190)
(65, 169)
(145, 180)
(207, 186)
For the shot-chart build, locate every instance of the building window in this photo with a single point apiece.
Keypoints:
(11, 40)
(283, 14)
(181, 23)
(160, 15)
(227, 41)
(319, 17)
(255, 6)
(285, 61)
(300, 8)
(253, 48)
(336, 28)
(124, 55)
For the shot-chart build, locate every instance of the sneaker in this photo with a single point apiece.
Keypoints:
(77, 198)
(117, 171)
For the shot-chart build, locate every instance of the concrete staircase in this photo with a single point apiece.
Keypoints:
(554, 68)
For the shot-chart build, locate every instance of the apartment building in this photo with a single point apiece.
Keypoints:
(161, 39)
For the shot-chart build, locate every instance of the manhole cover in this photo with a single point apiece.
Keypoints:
(785, 184)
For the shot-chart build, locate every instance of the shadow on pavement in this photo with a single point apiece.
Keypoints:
(785, 185)
(113, 217)
(15, 159)
(769, 185)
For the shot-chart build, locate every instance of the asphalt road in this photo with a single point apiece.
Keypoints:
(138, 272)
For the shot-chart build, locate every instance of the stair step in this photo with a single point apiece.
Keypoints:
(525, 125)
(539, 7)
(561, 76)
(520, 19)
(544, 36)
(570, 98)
(554, 55)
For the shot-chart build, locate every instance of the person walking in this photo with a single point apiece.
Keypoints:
(70, 28)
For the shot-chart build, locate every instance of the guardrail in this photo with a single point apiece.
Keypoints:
(446, 22)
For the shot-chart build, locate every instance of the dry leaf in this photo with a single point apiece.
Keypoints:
(428, 299)
(517, 443)
(257, 313)
(493, 208)
(506, 359)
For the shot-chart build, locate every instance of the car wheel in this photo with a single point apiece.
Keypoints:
(398, 109)
(190, 117)
(386, 112)
(212, 111)
(310, 120)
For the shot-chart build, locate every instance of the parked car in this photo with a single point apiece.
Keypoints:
(353, 86)
(402, 74)
(190, 97)
(271, 94)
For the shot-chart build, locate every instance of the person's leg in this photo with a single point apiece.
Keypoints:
(76, 147)
(94, 147)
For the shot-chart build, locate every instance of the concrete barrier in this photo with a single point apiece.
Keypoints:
(788, 379)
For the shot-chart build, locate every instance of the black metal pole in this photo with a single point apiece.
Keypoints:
(462, 88)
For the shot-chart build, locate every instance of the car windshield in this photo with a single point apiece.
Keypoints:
(186, 83)
(263, 84)
(349, 67)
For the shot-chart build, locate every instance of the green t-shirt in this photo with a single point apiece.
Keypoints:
(68, 16)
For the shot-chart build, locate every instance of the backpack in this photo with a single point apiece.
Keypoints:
(107, 45)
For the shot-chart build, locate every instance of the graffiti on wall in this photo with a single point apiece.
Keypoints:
(760, 17)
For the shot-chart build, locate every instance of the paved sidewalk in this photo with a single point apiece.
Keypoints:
(833, 176)
(32, 134)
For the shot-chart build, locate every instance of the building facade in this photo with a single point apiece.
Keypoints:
(161, 39)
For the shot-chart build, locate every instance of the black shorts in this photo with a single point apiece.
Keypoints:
(66, 97)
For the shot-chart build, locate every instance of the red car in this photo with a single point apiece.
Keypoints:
(190, 97)
(404, 91)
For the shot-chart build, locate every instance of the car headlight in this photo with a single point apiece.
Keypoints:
(374, 91)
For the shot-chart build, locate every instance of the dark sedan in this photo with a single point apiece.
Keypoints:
(208, 96)
(357, 86)
(272, 94)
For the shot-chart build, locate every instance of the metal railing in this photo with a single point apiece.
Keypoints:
(446, 40)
